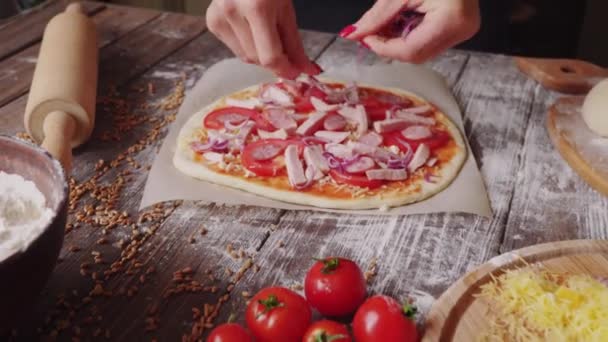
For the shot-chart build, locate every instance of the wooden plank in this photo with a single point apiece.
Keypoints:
(147, 45)
(27, 28)
(169, 248)
(419, 255)
(551, 202)
(112, 23)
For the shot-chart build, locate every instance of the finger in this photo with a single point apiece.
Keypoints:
(222, 30)
(292, 43)
(241, 30)
(382, 13)
(426, 41)
(269, 47)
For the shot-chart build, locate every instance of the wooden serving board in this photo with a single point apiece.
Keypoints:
(570, 76)
(459, 316)
(583, 150)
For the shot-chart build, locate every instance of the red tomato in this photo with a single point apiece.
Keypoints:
(236, 115)
(381, 318)
(357, 180)
(278, 314)
(266, 167)
(438, 139)
(229, 332)
(335, 287)
(325, 331)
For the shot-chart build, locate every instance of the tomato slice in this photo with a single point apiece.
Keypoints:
(375, 109)
(266, 167)
(236, 115)
(356, 180)
(438, 139)
(303, 104)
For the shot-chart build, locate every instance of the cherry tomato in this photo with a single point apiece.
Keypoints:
(438, 139)
(229, 332)
(278, 314)
(266, 167)
(236, 115)
(326, 331)
(335, 287)
(356, 180)
(381, 318)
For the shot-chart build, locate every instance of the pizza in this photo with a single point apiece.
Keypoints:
(323, 143)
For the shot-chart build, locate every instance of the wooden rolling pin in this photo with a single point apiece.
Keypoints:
(60, 111)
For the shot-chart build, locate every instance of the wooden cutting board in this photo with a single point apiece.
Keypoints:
(570, 76)
(583, 150)
(458, 316)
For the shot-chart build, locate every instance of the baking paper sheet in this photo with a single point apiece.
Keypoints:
(165, 183)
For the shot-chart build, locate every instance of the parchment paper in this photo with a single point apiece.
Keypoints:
(165, 183)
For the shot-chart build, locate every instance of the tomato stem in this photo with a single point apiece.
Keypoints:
(329, 265)
(270, 303)
(232, 317)
(410, 310)
(323, 336)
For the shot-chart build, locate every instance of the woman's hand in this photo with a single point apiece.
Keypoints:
(445, 24)
(262, 32)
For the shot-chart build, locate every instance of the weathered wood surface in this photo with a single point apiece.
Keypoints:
(146, 57)
(112, 23)
(27, 28)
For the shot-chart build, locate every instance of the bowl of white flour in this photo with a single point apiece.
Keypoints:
(33, 211)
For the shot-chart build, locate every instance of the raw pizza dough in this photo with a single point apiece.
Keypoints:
(595, 109)
(328, 194)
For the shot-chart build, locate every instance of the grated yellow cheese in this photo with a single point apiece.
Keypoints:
(533, 304)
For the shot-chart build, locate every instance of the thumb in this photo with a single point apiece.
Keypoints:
(381, 14)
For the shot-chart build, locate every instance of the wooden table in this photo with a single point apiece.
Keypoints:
(116, 277)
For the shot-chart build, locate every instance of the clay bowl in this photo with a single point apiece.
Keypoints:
(24, 274)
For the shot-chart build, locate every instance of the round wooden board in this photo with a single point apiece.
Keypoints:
(459, 316)
(597, 178)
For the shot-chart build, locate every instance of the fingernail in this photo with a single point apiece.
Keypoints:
(364, 44)
(347, 31)
(317, 67)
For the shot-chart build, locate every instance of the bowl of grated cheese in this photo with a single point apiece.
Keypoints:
(33, 212)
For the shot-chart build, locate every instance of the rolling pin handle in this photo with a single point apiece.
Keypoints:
(59, 128)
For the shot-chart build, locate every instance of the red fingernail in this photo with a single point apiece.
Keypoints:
(364, 44)
(318, 67)
(347, 31)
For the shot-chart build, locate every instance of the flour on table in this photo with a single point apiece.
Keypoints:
(23, 214)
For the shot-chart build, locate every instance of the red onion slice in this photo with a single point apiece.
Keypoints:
(332, 161)
(200, 147)
(428, 177)
(233, 126)
(211, 145)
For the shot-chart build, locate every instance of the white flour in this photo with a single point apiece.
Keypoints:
(23, 214)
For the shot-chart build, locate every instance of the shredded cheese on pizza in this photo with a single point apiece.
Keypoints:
(533, 304)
